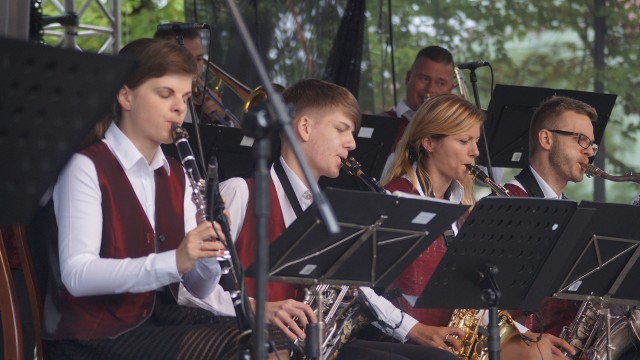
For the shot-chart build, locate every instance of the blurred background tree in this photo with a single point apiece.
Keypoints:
(547, 43)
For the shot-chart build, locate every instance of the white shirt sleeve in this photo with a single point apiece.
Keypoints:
(398, 323)
(235, 193)
(77, 205)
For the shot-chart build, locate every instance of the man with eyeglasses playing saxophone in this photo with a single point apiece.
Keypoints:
(560, 138)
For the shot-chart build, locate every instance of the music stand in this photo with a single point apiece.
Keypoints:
(385, 233)
(509, 115)
(520, 238)
(374, 143)
(607, 268)
(51, 98)
(231, 146)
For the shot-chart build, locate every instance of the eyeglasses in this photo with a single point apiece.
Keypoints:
(583, 140)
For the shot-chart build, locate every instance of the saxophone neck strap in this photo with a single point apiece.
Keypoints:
(288, 188)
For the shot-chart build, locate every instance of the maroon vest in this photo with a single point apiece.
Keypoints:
(515, 190)
(415, 277)
(126, 232)
(246, 244)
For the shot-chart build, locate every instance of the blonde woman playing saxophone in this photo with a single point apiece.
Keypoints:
(431, 161)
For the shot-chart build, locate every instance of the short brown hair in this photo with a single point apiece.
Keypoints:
(434, 53)
(548, 113)
(313, 95)
(154, 58)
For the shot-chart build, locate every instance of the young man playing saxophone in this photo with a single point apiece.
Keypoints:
(560, 138)
(326, 116)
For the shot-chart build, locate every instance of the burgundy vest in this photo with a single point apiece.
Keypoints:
(415, 277)
(246, 244)
(126, 232)
(515, 190)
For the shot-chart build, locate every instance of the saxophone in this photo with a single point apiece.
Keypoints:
(581, 333)
(474, 343)
(344, 313)
(592, 170)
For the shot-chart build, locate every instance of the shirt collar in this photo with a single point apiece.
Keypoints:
(127, 153)
(302, 192)
(546, 189)
(402, 109)
(456, 189)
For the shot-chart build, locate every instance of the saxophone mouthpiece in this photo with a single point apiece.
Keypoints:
(591, 170)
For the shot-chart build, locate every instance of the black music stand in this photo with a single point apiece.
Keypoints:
(519, 237)
(374, 143)
(51, 98)
(607, 268)
(509, 115)
(231, 146)
(380, 235)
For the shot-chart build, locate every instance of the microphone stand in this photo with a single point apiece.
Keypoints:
(194, 117)
(476, 97)
(262, 176)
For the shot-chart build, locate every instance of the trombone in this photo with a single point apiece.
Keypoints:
(250, 98)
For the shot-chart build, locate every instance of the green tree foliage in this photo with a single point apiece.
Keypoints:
(547, 43)
(138, 19)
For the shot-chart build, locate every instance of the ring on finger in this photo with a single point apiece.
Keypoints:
(446, 337)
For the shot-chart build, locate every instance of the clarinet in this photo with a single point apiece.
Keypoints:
(214, 210)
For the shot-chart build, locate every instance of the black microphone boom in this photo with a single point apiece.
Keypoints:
(181, 26)
(472, 65)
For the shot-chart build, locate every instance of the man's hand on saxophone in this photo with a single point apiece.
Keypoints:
(290, 316)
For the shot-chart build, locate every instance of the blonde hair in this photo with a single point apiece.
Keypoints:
(441, 116)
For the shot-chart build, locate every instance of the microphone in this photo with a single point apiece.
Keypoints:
(472, 65)
(176, 27)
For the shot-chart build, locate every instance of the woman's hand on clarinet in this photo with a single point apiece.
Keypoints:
(197, 245)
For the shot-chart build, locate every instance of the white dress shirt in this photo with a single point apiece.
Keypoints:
(77, 204)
